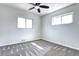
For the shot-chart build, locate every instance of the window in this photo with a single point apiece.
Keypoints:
(21, 23)
(63, 19)
(67, 19)
(24, 23)
(56, 21)
(28, 23)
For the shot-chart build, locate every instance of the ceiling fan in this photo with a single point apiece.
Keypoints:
(38, 6)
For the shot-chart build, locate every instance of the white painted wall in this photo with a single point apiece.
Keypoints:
(9, 33)
(66, 35)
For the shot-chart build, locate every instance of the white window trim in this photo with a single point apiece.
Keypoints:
(17, 22)
(53, 20)
(25, 23)
(70, 13)
(67, 15)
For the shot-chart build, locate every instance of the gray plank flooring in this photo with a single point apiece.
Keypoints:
(37, 48)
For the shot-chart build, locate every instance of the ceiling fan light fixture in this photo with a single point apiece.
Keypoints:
(36, 7)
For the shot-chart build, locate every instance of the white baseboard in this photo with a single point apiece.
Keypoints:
(61, 44)
(25, 40)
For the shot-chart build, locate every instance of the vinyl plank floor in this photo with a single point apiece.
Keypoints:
(37, 48)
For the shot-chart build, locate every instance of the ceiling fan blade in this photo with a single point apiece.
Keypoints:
(38, 10)
(32, 4)
(43, 6)
(31, 8)
(37, 4)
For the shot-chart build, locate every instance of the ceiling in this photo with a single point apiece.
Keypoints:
(53, 7)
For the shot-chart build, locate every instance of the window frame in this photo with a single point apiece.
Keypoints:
(70, 13)
(17, 23)
(25, 23)
(53, 20)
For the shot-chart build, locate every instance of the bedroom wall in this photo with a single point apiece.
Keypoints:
(67, 34)
(9, 33)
